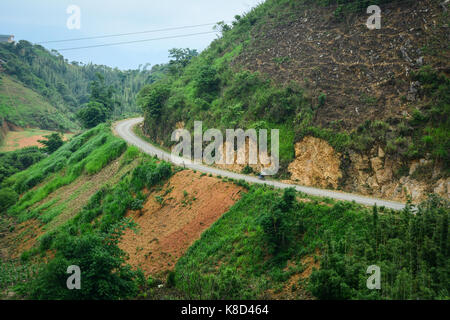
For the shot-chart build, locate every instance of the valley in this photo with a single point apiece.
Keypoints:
(88, 177)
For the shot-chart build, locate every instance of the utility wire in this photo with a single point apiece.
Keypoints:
(136, 41)
(128, 34)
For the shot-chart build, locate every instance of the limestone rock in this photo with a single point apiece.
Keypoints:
(316, 164)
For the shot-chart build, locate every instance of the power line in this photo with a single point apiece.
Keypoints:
(136, 41)
(128, 34)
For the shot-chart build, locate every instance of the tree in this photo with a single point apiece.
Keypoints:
(53, 142)
(206, 81)
(277, 222)
(92, 114)
(104, 274)
(101, 93)
(180, 59)
(152, 98)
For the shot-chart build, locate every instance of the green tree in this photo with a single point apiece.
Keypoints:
(101, 93)
(152, 98)
(104, 274)
(180, 58)
(92, 114)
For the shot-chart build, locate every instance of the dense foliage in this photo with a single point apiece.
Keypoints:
(267, 238)
(52, 142)
(15, 161)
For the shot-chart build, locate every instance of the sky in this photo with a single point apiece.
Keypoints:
(46, 20)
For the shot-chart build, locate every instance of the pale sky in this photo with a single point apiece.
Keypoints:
(45, 20)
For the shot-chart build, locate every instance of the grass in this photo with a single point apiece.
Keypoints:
(25, 108)
(87, 153)
(236, 257)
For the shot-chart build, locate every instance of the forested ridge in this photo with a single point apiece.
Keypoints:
(66, 85)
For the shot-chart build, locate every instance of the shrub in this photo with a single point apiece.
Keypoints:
(104, 274)
(54, 142)
(8, 197)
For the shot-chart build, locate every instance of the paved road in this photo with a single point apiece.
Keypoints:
(124, 130)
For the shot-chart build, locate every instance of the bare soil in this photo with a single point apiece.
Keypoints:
(192, 203)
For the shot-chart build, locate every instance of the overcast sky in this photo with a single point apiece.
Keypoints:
(44, 20)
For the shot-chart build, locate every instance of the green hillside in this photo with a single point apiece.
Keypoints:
(61, 87)
(24, 107)
(269, 245)
(287, 64)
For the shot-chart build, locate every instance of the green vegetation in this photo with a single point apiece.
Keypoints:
(90, 238)
(87, 153)
(246, 252)
(23, 107)
(15, 161)
(52, 143)
(90, 241)
(8, 197)
(102, 263)
(60, 88)
(100, 106)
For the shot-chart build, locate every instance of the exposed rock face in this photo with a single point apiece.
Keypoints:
(316, 164)
(263, 161)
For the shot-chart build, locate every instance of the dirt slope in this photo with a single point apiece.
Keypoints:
(191, 203)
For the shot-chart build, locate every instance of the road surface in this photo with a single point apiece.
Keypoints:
(125, 130)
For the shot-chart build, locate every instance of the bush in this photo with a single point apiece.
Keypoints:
(92, 115)
(8, 197)
(54, 142)
(104, 274)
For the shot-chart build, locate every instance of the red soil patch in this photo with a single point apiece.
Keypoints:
(31, 141)
(167, 231)
(21, 138)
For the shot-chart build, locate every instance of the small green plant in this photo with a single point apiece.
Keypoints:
(321, 99)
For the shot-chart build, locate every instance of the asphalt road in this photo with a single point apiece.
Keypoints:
(124, 130)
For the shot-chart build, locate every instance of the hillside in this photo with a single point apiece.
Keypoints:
(41, 89)
(132, 222)
(23, 107)
(358, 110)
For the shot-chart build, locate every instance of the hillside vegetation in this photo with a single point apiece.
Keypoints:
(73, 210)
(270, 245)
(59, 88)
(312, 68)
(23, 107)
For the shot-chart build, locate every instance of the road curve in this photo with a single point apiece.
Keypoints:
(125, 130)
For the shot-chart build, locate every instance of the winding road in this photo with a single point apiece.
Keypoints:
(125, 130)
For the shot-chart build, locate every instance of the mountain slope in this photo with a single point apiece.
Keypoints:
(23, 107)
(62, 85)
(375, 100)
